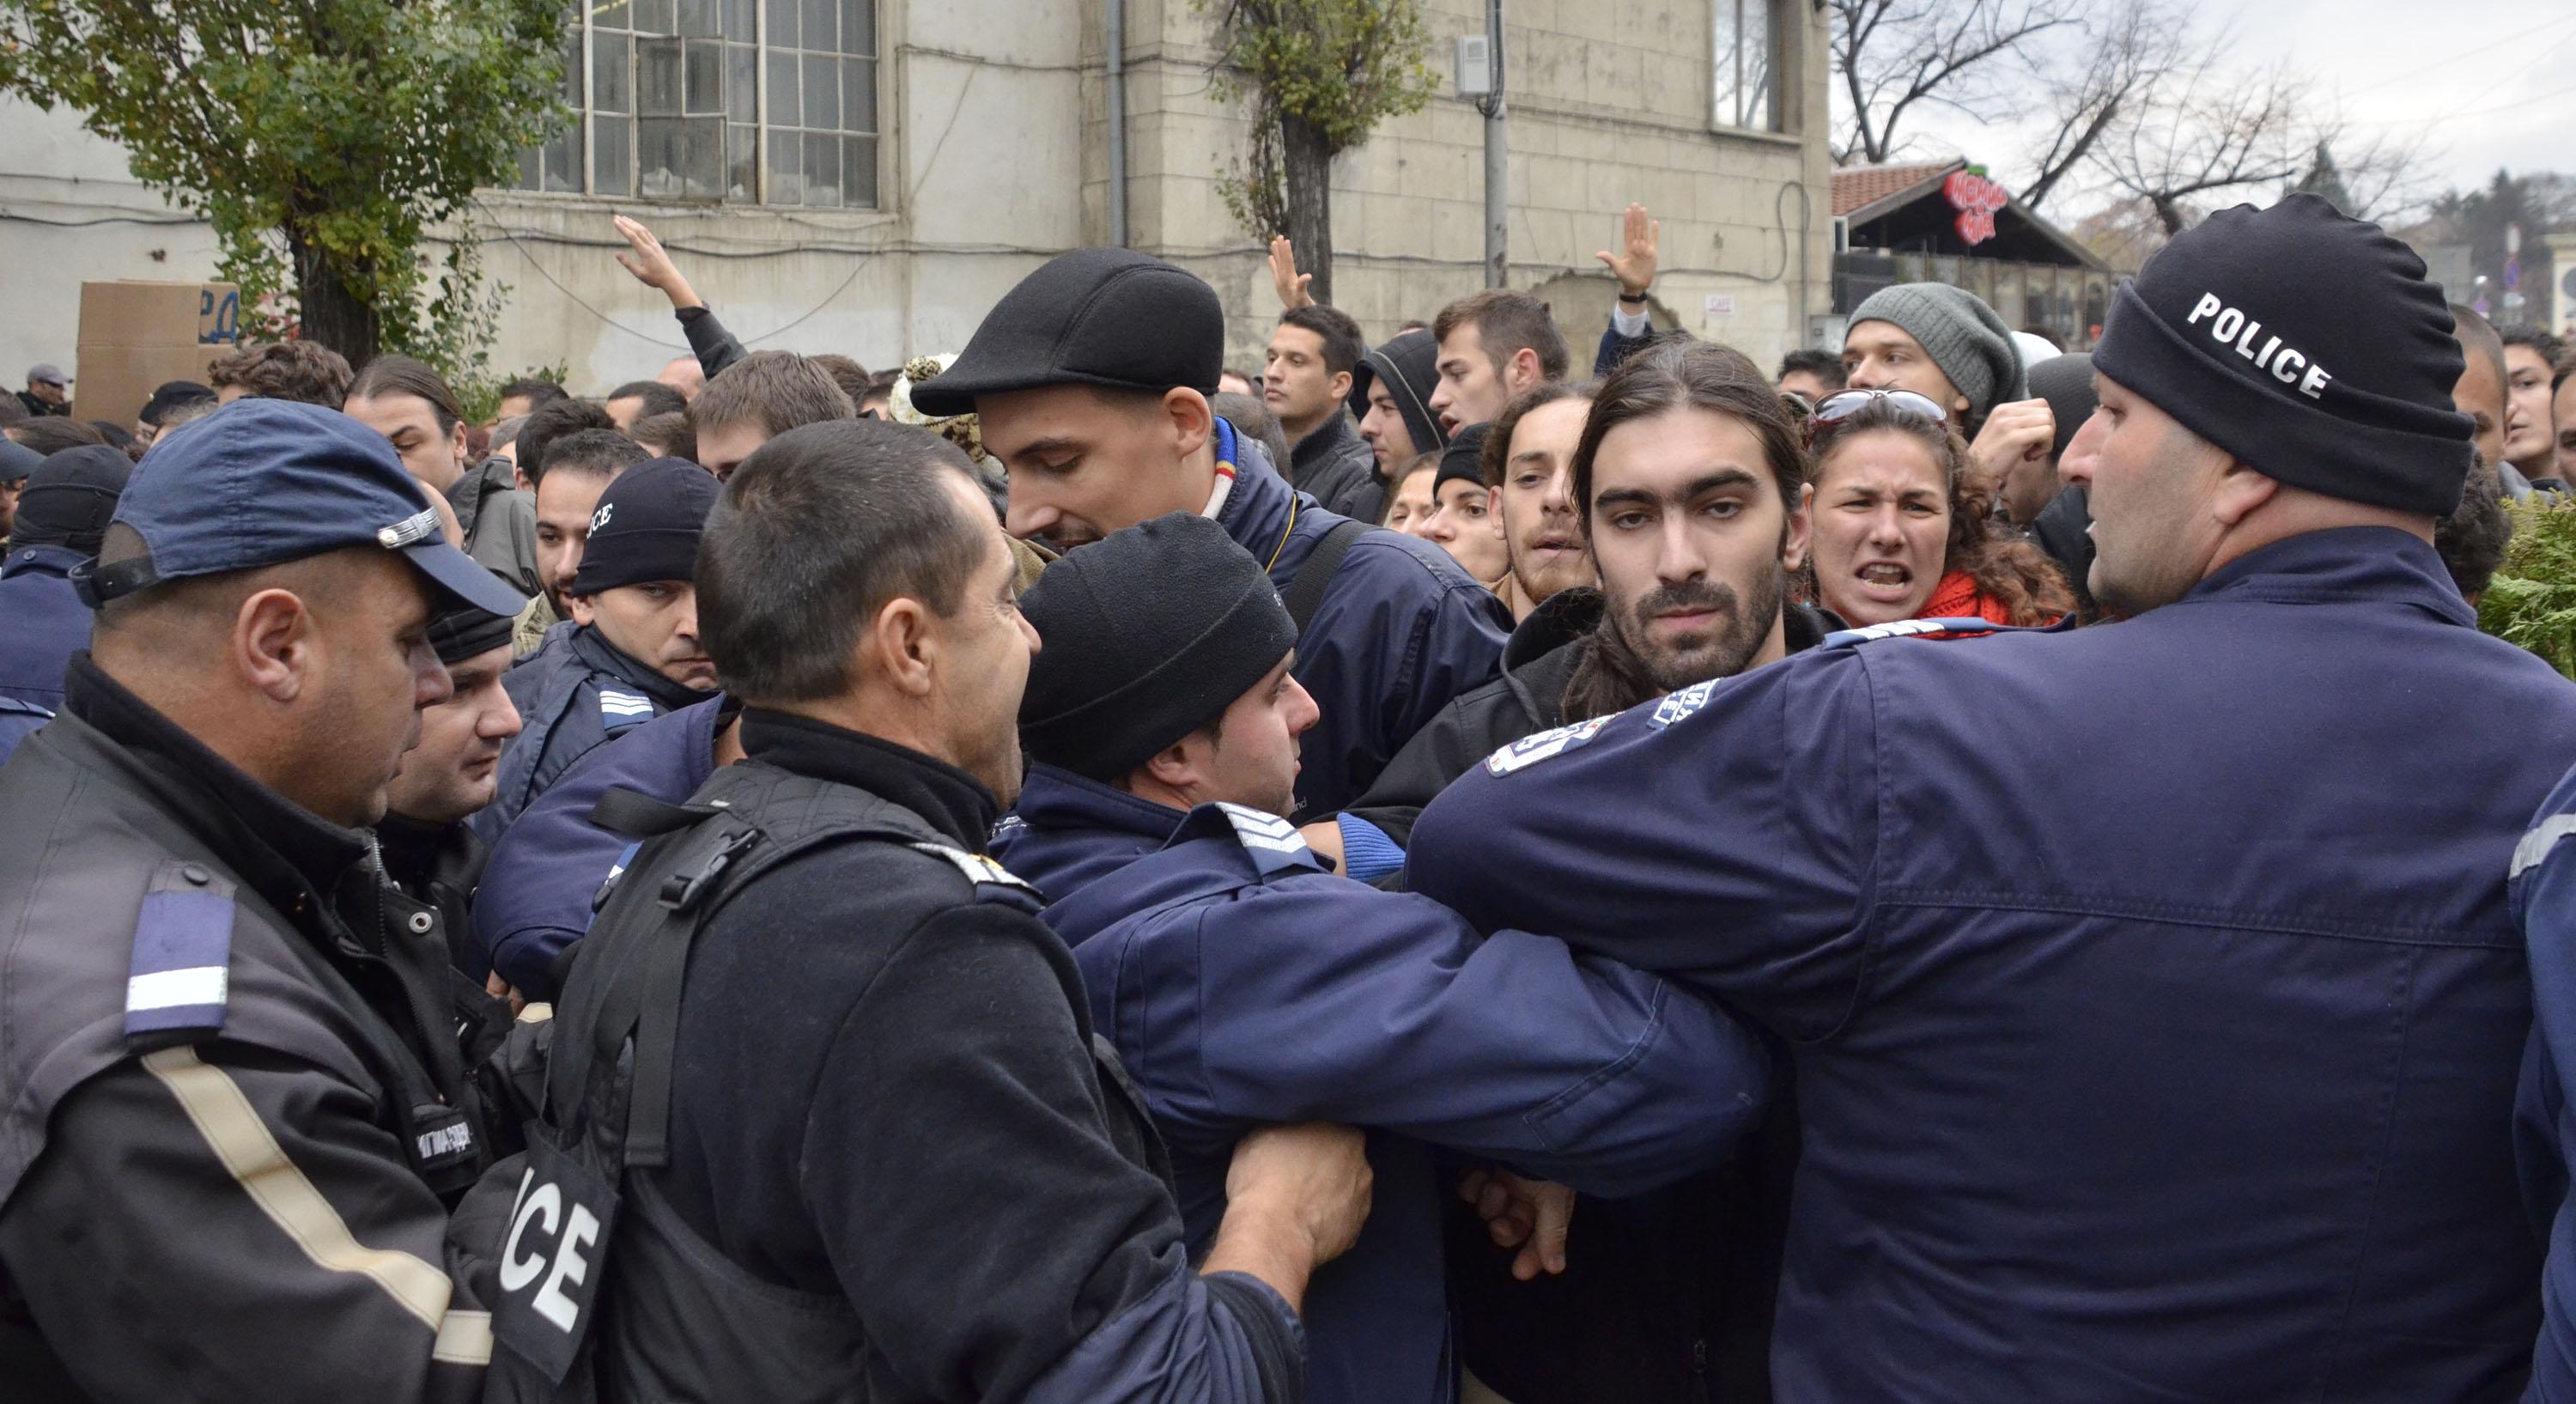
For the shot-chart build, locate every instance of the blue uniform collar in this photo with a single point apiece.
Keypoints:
(2342, 566)
(54, 560)
(1056, 799)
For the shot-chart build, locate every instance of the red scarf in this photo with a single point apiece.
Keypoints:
(1957, 597)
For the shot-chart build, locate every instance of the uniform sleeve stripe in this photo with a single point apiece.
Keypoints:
(2536, 844)
(464, 1338)
(233, 1131)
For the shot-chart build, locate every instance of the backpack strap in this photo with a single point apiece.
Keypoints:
(1306, 594)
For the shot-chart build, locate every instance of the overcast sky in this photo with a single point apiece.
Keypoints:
(2489, 83)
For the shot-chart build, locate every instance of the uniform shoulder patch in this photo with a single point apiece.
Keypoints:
(2536, 845)
(978, 869)
(618, 708)
(1273, 843)
(1675, 706)
(180, 974)
(1546, 745)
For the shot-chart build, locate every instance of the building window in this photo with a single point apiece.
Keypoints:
(769, 102)
(1744, 50)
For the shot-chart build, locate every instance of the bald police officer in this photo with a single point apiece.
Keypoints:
(237, 1116)
(2155, 1001)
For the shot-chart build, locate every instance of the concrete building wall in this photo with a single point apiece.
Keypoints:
(996, 156)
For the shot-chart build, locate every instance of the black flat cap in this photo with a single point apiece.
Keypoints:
(1107, 317)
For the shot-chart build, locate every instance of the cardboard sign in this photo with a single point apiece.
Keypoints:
(136, 336)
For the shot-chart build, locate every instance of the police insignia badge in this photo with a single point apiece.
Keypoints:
(1530, 750)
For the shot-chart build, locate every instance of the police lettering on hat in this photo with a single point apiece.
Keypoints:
(263, 482)
(646, 526)
(2307, 345)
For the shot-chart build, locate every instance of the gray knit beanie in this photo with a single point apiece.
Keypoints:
(1961, 334)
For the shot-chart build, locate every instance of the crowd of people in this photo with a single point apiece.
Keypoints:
(1938, 870)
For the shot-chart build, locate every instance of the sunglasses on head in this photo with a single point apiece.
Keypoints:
(1841, 405)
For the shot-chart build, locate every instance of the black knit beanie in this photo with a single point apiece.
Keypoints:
(1464, 458)
(69, 498)
(1410, 361)
(1148, 634)
(2307, 345)
(2066, 382)
(646, 526)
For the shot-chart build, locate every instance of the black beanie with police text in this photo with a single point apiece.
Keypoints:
(2307, 345)
(647, 525)
(1145, 636)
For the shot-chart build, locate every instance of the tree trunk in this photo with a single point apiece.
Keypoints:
(327, 312)
(1306, 164)
(2168, 213)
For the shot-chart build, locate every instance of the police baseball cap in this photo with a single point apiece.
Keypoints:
(1113, 318)
(263, 482)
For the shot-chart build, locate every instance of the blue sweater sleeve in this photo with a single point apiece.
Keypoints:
(1224, 1338)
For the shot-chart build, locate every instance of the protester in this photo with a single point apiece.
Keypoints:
(235, 1044)
(1391, 399)
(756, 399)
(1162, 726)
(281, 370)
(1811, 373)
(47, 391)
(174, 403)
(2471, 539)
(451, 772)
(61, 516)
(714, 348)
(1306, 380)
(17, 463)
(1902, 532)
(684, 374)
(1251, 418)
(2107, 1004)
(2060, 522)
(665, 436)
(1492, 346)
(1946, 344)
(528, 394)
(412, 407)
(1528, 463)
(1462, 522)
(1090, 380)
(631, 652)
(2531, 357)
(582, 463)
(885, 952)
(642, 399)
(1631, 330)
(852, 377)
(1409, 506)
(555, 419)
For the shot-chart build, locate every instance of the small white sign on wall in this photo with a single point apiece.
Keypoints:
(1719, 307)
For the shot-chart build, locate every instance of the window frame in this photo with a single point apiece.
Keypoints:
(1780, 47)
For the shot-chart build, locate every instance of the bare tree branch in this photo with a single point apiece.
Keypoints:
(2129, 50)
(1895, 54)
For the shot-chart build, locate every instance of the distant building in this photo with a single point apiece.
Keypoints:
(1945, 222)
(868, 176)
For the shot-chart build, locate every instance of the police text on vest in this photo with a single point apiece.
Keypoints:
(2230, 327)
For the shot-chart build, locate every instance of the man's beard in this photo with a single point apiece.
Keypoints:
(1747, 625)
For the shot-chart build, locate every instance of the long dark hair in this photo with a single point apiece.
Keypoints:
(2005, 567)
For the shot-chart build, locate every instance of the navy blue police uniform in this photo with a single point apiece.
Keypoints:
(2168, 1050)
(1243, 984)
(2543, 884)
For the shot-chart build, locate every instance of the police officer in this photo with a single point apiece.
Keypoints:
(630, 652)
(452, 771)
(1090, 381)
(1164, 727)
(907, 1177)
(61, 516)
(2155, 1001)
(237, 1118)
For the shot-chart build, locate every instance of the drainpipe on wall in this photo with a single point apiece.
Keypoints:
(1118, 122)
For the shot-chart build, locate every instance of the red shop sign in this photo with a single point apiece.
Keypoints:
(1976, 199)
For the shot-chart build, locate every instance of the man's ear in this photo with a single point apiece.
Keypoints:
(456, 442)
(1192, 421)
(902, 646)
(1339, 387)
(1801, 529)
(582, 613)
(275, 647)
(2241, 492)
(1523, 370)
(1175, 767)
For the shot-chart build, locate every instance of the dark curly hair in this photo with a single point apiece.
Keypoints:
(2005, 567)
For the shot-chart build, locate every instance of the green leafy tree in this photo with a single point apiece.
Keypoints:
(320, 138)
(2531, 603)
(1321, 75)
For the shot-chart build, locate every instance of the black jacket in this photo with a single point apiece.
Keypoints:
(915, 1124)
(1337, 468)
(440, 864)
(167, 1142)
